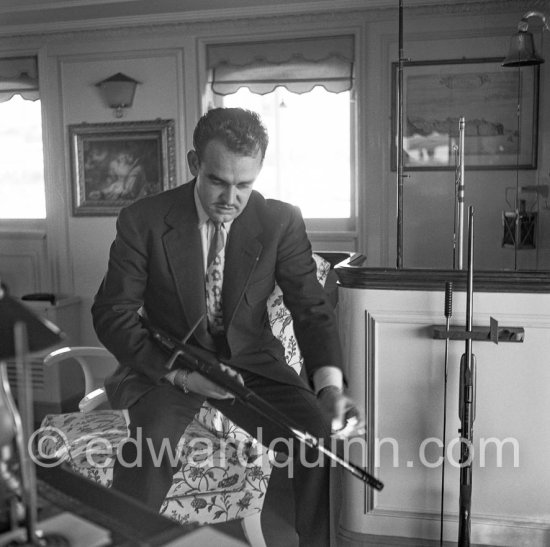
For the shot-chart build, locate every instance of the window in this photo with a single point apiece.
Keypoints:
(308, 157)
(21, 160)
(22, 194)
(302, 89)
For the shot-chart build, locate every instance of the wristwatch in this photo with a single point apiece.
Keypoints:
(182, 380)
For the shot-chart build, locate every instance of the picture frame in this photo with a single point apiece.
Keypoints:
(436, 94)
(114, 164)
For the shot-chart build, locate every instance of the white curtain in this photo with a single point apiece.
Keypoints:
(18, 76)
(299, 65)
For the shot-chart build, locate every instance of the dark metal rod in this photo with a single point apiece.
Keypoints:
(24, 430)
(460, 194)
(455, 220)
(517, 219)
(399, 143)
(467, 397)
(448, 314)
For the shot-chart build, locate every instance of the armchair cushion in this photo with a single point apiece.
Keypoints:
(211, 460)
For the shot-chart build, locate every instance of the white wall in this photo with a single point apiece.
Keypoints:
(160, 70)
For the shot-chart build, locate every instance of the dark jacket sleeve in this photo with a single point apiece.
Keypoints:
(312, 314)
(116, 310)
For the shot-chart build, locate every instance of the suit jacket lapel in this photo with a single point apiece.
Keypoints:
(241, 256)
(183, 249)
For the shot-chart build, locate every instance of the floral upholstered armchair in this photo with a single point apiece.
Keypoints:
(224, 471)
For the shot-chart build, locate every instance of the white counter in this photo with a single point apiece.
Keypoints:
(395, 368)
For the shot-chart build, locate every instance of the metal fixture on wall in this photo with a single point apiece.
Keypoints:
(522, 48)
(458, 232)
(519, 229)
(118, 92)
(519, 225)
(523, 233)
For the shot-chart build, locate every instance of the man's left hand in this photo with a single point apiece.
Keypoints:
(346, 418)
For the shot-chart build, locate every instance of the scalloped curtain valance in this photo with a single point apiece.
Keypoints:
(18, 76)
(299, 65)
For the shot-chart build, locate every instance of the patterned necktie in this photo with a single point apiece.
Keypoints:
(216, 245)
(214, 281)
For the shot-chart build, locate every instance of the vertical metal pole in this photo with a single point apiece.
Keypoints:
(460, 195)
(448, 315)
(467, 397)
(23, 432)
(517, 227)
(399, 143)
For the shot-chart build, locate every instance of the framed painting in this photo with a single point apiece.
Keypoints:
(114, 164)
(499, 106)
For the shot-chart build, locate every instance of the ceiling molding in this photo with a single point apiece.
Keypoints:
(10, 6)
(304, 8)
(197, 16)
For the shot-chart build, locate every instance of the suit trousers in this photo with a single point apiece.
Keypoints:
(164, 412)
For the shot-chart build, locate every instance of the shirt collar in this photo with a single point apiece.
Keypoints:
(201, 213)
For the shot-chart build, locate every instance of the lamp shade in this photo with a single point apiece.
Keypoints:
(522, 51)
(118, 90)
(41, 333)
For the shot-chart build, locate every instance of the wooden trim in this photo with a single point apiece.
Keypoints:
(349, 539)
(370, 404)
(351, 274)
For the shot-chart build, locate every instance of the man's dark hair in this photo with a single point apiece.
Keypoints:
(242, 131)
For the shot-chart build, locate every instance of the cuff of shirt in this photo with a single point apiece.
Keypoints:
(171, 376)
(327, 376)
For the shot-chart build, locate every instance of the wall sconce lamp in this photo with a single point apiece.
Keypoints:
(118, 92)
(522, 48)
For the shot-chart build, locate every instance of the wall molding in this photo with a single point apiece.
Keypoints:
(370, 402)
(485, 529)
(22, 233)
(505, 532)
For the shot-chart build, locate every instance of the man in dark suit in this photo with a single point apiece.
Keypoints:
(159, 267)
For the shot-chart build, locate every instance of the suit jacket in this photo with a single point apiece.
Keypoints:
(156, 267)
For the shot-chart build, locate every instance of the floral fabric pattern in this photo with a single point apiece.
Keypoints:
(281, 320)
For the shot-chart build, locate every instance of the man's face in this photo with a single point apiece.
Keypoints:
(224, 180)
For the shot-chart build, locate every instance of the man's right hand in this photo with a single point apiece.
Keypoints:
(197, 383)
